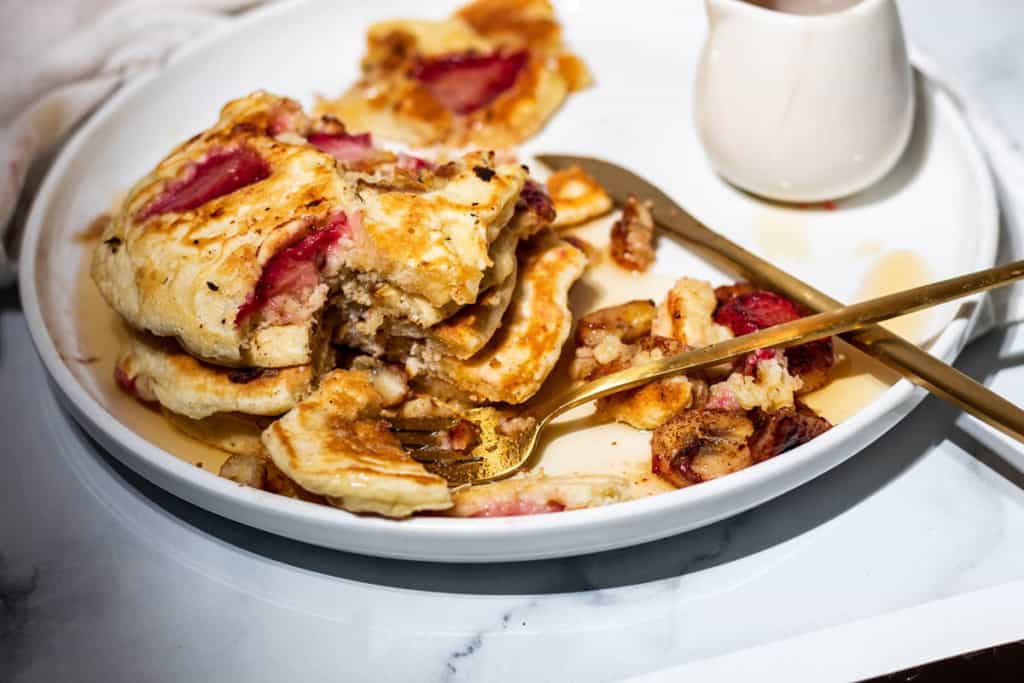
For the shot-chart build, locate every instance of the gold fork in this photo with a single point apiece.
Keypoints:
(900, 355)
(497, 452)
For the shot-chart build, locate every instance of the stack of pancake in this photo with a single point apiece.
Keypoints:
(279, 265)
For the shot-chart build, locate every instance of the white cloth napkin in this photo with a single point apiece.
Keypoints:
(59, 60)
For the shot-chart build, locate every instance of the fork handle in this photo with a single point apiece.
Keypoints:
(909, 360)
(799, 331)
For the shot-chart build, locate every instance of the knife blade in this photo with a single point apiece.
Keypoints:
(905, 358)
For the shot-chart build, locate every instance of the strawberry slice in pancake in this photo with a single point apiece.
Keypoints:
(194, 246)
(290, 278)
(466, 82)
(342, 146)
(490, 75)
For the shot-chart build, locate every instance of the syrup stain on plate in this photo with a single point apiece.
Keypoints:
(869, 248)
(856, 380)
(100, 336)
(892, 272)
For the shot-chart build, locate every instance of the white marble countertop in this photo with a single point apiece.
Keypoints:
(103, 577)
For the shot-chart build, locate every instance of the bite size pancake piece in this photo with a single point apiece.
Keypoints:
(222, 243)
(232, 432)
(489, 76)
(333, 444)
(157, 369)
(520, 356)
(259, 472)
(578, 198)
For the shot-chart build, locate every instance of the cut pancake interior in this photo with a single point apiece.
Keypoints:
(428, 248)
(389, 319)
(516, 361)
(235, 242)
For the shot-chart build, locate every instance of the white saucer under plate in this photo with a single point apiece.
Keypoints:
(937, 211)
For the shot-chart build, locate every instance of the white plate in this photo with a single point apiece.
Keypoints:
(938, 206)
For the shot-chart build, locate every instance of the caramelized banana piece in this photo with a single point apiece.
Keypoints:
(784, 429)
(699, 445)
(629, 322)
(632, 238)
(812, 363)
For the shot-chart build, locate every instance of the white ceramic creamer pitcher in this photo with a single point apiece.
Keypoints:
(808, 102)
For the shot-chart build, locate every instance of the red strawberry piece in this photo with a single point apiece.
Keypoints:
(222, 172)
(408, 162)
(465, 82)
(125, 381)
(752, 359)
(294, 271)
(748, 313)
(342, 146)
(518, 507)
(752, 311)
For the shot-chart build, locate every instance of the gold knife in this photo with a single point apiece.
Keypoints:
(912, 362)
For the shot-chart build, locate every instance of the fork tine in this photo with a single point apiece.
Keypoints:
(443, 456)
(422, 424)
(414, 438)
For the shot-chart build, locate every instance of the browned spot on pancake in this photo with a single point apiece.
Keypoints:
(483, 173)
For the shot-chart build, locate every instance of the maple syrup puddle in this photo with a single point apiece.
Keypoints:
(892, 272)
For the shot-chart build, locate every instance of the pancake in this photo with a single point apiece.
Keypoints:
(469, 330)
(232, 432)
(516, 361)
(157, 369)
(235, 241)
(186, 250)
(332, 444)
(259, 472)
(488, 76)
(376, 324)
(578, 198)
(431, 245)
